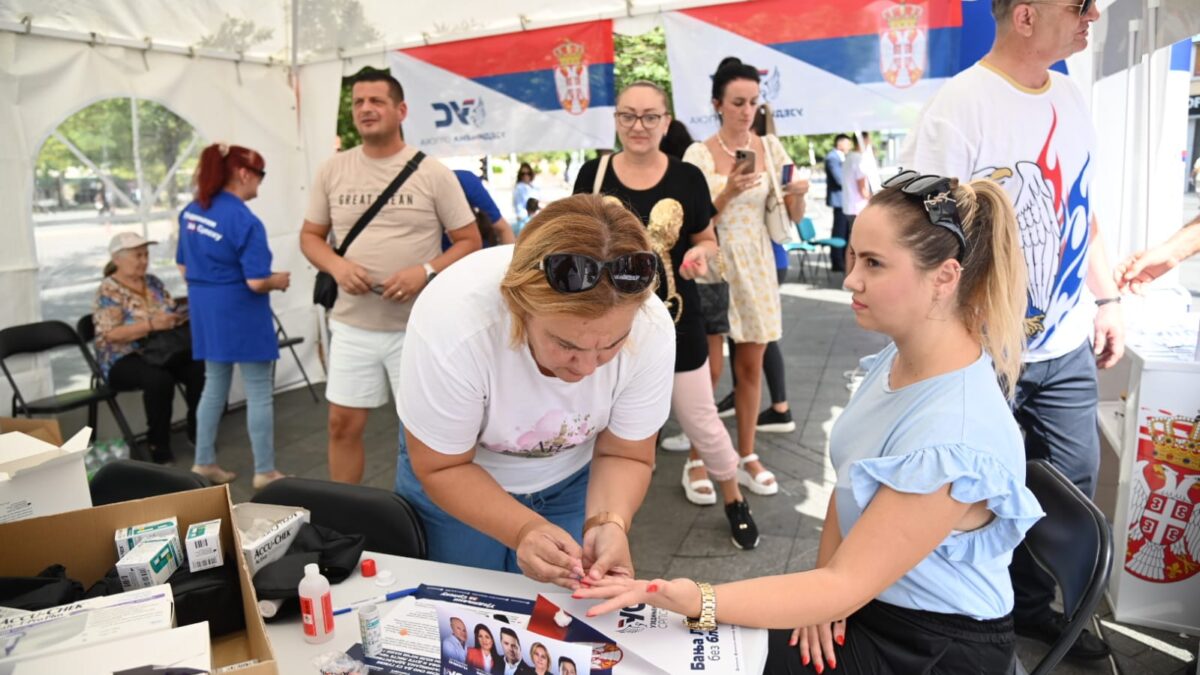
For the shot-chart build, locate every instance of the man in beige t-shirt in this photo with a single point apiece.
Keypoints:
(386, 266)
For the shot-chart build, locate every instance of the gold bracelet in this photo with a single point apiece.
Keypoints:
(603, 518)
(708, 609)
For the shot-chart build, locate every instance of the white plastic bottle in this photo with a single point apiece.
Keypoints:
(316, 605)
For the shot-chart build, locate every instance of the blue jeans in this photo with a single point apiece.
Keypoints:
(453, 541)
(1056, 407)
(260, 411)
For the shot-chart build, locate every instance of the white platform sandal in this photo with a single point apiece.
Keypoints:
(692, 488)
(759, 484)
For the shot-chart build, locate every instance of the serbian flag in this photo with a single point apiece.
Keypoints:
(826, 65)
(546, 89)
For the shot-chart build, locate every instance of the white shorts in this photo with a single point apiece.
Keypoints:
(362, 365)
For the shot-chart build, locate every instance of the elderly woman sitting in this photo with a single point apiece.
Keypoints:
(129, 306)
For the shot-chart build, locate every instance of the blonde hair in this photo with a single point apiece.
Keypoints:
(992, 290)
(585, 224)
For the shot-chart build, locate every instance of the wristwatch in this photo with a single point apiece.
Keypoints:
(603, 518)
(430, 273)
(708, 609)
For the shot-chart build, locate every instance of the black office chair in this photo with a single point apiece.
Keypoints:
(125, 479)
(34, 338)
(390, 523)
(1073, 543)
(288, 342)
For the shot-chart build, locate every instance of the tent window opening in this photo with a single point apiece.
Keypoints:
(122, 164)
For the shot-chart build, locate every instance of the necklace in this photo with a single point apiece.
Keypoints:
(721, 142)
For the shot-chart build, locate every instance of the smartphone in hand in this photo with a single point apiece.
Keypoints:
(743, 161)
(788, 169)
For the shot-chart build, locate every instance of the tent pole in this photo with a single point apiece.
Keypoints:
(1151, 48)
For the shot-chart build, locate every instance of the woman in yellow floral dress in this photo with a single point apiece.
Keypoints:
(741, 203)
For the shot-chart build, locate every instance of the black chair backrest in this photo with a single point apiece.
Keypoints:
(86, 327)
(126, 479)
(1073, 542)
(390, 523)
(32, 338)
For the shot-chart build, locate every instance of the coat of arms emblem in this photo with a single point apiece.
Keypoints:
(571, 77)
(903, 44)
(1164, 518)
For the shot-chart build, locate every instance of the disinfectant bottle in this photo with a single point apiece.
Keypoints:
(316, 605)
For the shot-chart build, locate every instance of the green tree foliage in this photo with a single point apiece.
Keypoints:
(236, 35)
(103, 132)
(642, 57)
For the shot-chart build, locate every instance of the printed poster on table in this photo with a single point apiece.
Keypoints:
(473, 644)
(654, 635)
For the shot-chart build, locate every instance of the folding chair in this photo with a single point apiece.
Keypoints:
(390, 523)
(802, 249)
(808, 235)
(1073, 543)
(127, 479)
(290, 343)
(35, 338)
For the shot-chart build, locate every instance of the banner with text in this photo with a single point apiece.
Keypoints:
(546, 89)
(826, 65)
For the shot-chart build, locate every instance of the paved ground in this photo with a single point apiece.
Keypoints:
(674, 538)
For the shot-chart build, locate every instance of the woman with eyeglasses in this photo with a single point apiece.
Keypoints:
(930, 498)
(671, 198)
(523, 191)
(224, 258)
(534, 380)
(740, 191)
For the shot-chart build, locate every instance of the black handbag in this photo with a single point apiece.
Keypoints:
(161, 348)
(325, 288)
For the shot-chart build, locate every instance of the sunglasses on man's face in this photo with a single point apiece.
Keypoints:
(1083, 7)
(575, 272)
(935, 195)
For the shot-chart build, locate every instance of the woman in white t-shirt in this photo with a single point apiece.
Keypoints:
(533, 382)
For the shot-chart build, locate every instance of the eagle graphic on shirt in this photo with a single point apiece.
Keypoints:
(1053, 229)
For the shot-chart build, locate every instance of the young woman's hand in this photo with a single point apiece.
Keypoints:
(816, 643)
(695, 263)
(678, 595)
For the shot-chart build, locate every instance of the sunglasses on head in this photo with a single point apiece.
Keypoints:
(1084, 7)
(935, 194)
(575, 272)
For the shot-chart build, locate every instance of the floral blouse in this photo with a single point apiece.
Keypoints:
(118, 305)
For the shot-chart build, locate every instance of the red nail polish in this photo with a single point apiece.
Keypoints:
(840, 639)
(804, 660)
(832, 664)
(652, 588)
(820, 669)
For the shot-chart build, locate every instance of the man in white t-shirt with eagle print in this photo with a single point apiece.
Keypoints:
(1012, 119)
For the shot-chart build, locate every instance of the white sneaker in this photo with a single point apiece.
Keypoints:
(676, 443)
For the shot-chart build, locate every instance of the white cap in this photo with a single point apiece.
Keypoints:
(312, 570)
(127, 240)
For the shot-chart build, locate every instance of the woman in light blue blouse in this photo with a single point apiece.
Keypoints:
(930, 499)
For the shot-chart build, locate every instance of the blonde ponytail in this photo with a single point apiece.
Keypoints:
(992, 292)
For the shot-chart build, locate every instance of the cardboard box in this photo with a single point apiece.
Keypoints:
(150, 563)
(265, 549)
(82, 541)
(39, 474)
(203, 544)
(127, 538)
(85, 623)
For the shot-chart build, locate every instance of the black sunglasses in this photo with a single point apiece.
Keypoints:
(575, 273)
(1084, 6)
(261, 173)
(935, 195)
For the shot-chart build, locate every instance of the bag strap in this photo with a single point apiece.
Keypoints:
(600, 171)
(773, 171)
(375, 208)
